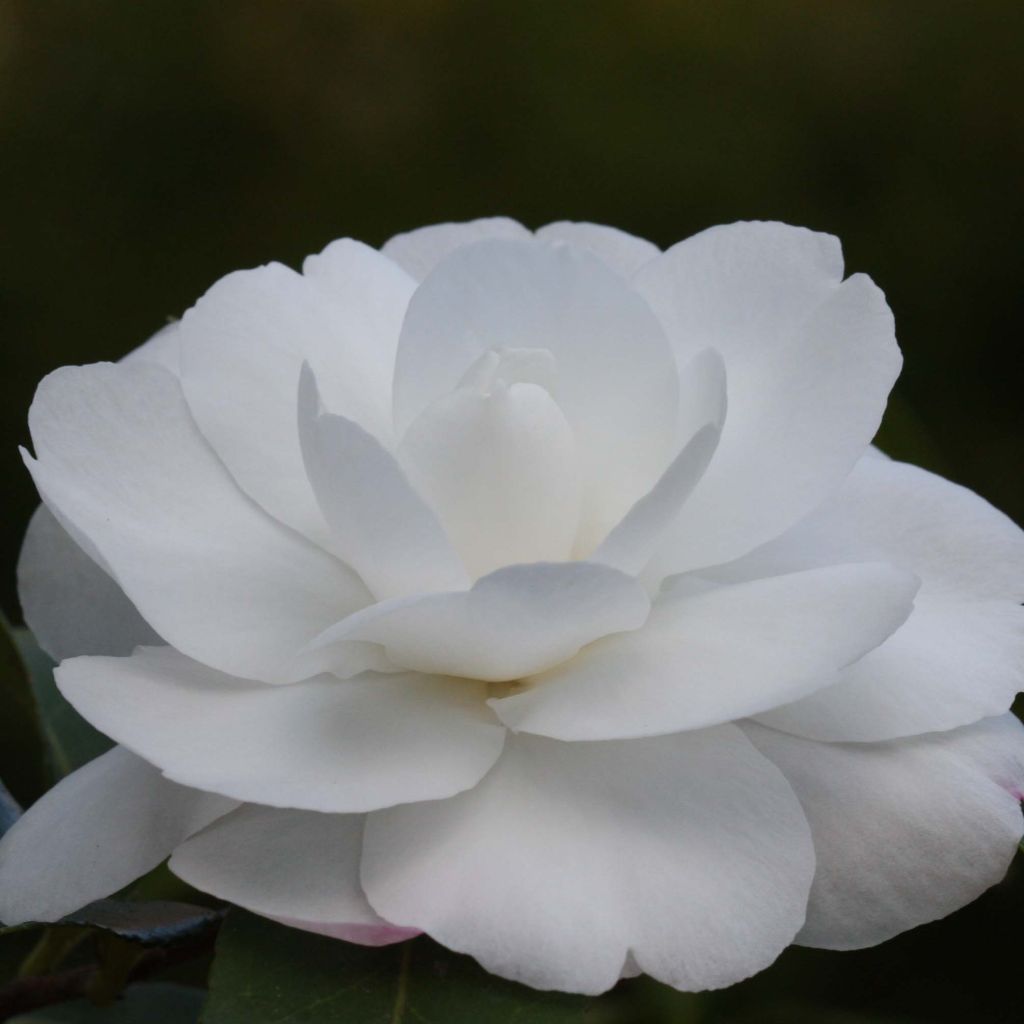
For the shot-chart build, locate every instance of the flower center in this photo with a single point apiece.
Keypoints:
(502, 367)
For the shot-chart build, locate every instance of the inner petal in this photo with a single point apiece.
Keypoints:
(496, 459)
(618, 383)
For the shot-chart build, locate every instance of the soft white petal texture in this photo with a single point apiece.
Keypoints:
(622, 251)
(690, 852)
(636, 537)
(297, 867)
(97, 830)
(905, 832)
(322, 745)
(617, 382)
(499, 467)
(374, 297)
(242, 348)
(71, 605)
(420, 250)
(810, 361)
(539, 591)
(714, 654)
(379, 524)
(960, 546)
(512, 623)
(163, 349)
(119, 458)
(960, 656)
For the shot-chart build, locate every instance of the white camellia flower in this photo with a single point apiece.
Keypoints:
(537, 591)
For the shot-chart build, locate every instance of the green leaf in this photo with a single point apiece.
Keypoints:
(268, 973)
(70, 740)
(23, 749)
(152, 923)
(10, 810)
(156, 1003)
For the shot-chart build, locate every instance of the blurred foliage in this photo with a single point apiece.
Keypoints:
(159, 1003)
(147, 149)
(24, 764)
(265, 972)
(150, 148)
(52, 734)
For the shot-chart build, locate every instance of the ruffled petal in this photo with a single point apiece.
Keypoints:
(248, 337)
(419, 251)
(323, 745)
(714, 654)
(960, 656)
(512, 623)
(810, 360)
(617, 383)
(637, 536)
(121, 463)
(96, 831)
(905, 832)
(379, 524)
(297, 867)
(623, 252)
(688, 852)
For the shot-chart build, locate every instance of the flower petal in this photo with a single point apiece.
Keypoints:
(379, 524)
(500, 470)
(419, 251)
(636, 537)
(322, 745)
(623, 252)
(688, 851)
(810, 362)
(248, 338)
(121, 462)
(617, 382)
(905, 832)
(512, 623)
(71, 604)
(960, 656)
(297, 867)
(163, 349)
(97, 830)
(713, 654)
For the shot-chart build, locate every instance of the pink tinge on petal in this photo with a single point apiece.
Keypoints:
(363, 934)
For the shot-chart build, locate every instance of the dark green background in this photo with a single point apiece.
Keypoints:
(146, 148)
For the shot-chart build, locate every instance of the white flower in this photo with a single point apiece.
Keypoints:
(538, 592)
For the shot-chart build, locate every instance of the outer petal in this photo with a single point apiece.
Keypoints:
(810, 363)
(709, 655)
(623, 252)
(163, 349)
(71, 605)
(617, 381)
(379, 524)
(297, 867)
(512, 623)
(248, 338)
(120, 460)
(323, 745)
(93, 833)
(419, 251)
(690, 852)
(500, 469)
(960, 656)
(904, 832)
